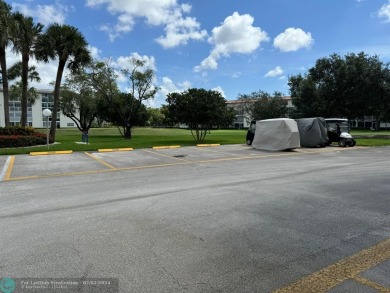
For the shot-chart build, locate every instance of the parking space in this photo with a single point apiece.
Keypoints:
(27, 167)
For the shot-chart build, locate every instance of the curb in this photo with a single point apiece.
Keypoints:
(165, 147)
(114, 150)
(50, 153)
(208, 145)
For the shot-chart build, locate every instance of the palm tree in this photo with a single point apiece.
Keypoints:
(70, 47)
(7, 27)
(24, 43)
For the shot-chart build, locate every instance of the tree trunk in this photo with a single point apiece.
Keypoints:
(23, 118)
(128, 131)
(4, 76)
(56, 105)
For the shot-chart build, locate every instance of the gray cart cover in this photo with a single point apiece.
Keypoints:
(276, 134)
(312, 132)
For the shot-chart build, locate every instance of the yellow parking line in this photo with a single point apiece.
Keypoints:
(346, 269)
(9, 169)
(371, 284)
(114, 150)
(208, 145)
(166, 147)
(101, 161)
(51, 153)
(163, 155)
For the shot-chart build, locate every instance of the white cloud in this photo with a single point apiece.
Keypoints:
(293, 39)
(277, 71)
(220, 90)
(95, 52)
(124, 62)
(47, 71)
(385, 11)
(45, 14)
(166, 87)
(180, 31)
(235, 35)
(168, 13)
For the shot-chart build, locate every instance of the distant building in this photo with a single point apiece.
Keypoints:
(35, 117)
(243, 118)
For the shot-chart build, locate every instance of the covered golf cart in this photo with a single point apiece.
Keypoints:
(313, 132)
(276, 134)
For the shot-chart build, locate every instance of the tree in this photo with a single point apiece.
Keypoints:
(155, 117)
(262, 105)
(7, 30)
(131, 113)
(16, 90)
(24, 43)
(70, 47)
(141, 89)
(123, 108)
(200, 109)
(348, 86)
(79, 101)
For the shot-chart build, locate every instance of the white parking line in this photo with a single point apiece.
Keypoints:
(5, 168)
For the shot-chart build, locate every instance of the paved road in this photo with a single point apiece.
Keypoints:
(236, 220)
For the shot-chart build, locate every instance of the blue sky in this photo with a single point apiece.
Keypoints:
(234, 46)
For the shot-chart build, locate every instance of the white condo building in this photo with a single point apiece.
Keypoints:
(35, 117)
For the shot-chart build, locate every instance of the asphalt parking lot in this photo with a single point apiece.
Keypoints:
(38, 166)
(201, 219)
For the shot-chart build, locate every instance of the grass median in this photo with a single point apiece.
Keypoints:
(143, 137)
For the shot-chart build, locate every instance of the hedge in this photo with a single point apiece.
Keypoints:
(11, 137)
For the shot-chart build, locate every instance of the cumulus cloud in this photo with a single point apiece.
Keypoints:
(220, 90)
(293, 39)
(168, 13)
(277, 71)
(45, 14)
(124, 62)
(180, 31)
(168, 86)
(385, 11)
(95, 52)
(235, 35)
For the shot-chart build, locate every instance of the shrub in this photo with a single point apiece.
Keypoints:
(11, 137)
(16, 130)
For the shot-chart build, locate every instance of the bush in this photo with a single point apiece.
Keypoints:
(16, 130)
(11, 137)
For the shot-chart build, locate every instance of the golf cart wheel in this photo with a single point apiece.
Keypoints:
(248, 142)
(353, 143)
(342, 143)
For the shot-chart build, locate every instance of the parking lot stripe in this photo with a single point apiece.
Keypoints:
(100, 161)
(163, 155)
(114, 150)
(208, 145)
(371, 284)
(346, 269)
(166, 147)
(6, 173)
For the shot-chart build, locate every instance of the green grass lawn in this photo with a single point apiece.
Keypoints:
(107, 138)
(103, 138)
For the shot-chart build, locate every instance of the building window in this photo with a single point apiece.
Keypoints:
(70, 124)
(15, 113)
